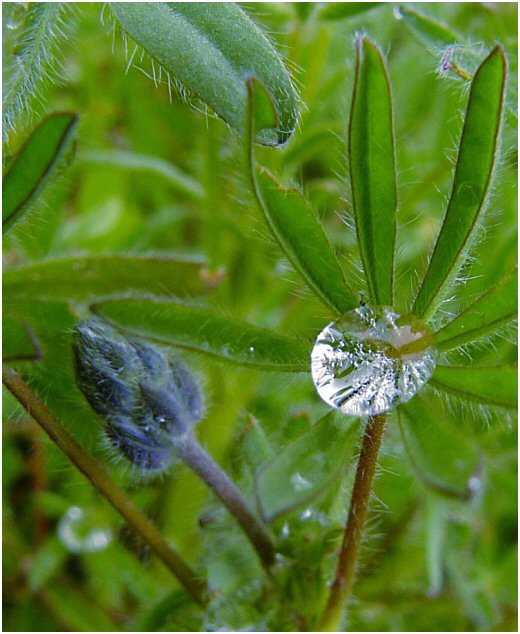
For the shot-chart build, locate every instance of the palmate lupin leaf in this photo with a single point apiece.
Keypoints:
(48, 151)
(496, 386)
(200, 329)
(493, 309)
(372, 170)
(212, 48)
(296, 227)
(473, 172)
(301, 236)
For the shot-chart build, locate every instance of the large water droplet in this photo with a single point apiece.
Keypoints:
(372, 359)
(82, 531)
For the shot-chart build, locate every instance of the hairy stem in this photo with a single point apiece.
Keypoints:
(341, 588)
(204, 465)
(97, 476)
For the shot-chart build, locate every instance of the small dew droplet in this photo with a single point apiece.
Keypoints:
(300, 483)
(81, 531)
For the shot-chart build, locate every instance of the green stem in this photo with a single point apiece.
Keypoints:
(203, 464)
(97, 476)
(341, 588)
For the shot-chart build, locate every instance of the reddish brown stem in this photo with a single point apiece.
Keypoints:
(341, 588)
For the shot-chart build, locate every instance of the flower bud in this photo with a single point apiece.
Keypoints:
(149, 401)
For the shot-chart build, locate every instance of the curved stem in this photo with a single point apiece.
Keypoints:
(341, 588)
(107, 487)
(203, 464)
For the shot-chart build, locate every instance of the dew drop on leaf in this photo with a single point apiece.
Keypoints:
(80, 531)
(372, 359)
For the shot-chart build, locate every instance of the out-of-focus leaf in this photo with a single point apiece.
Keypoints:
(426, 29)
(77, 610)
(212, 48)
(48, 561)
(132, 161)
(443, 457)
(155, 618)
(48, 151)
(493, 309)
(88, 277)
(342, 10)
(372, 170)
(471, 181)
(19, 342)
(307, 466)
(468, 584)
(436, 529)
(301, 236)
(200, 329)
(257, 449)
(490, 385)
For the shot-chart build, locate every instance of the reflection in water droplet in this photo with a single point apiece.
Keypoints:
(80, 531)
(300, 483)
(370, 360)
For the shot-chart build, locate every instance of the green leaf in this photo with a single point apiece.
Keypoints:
(198, 328)
(30, 52)
(471, 181)
(307, 466)
(489, 385)
(213, 48)
(19, 341)
(302, 238)
(257, 449)
(133, 161)
(444, 458)
(90, 277)
(493, 309)
(46, 153)
(372, 170)
(50, 558)
(428, 30)
(342, 10)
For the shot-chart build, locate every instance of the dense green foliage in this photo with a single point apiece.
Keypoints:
(163, 226)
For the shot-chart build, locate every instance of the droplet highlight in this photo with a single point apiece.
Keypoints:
(372, 359)
(81, 531)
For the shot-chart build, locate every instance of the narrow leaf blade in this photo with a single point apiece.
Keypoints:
(443, 457)
(48, 150)
(306, 467)
(372, 170)
(341, 10)
(471, 181)
(493, 309)
(302, 238)
(427, 30)
(90, 277)
(198, 328)
(489, 385)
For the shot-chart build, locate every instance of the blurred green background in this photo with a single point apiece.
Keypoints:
(430, 564)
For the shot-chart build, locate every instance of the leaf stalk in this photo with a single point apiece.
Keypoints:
(341, 589)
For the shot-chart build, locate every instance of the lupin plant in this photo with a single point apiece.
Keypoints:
(129, 328)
